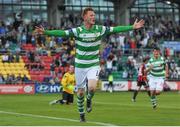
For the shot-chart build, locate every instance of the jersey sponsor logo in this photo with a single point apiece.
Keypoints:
(89, 39)
(89, 35)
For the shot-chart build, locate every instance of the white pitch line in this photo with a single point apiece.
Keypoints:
(161, 106)
(54, 118)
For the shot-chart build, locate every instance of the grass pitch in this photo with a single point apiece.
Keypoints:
(108, 109)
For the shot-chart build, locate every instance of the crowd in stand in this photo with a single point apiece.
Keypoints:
(9, 57)
(157, 29)
(174, 71)
(11, 79)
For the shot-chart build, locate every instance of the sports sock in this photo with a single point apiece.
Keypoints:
(149, 93)
(135, 94)
(90, 95)
(153, 100)
(80, 104)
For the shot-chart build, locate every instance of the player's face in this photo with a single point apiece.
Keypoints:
(90, 17)
(156, 53)
(71, 69)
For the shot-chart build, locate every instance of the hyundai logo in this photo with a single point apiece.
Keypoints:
(42, 88)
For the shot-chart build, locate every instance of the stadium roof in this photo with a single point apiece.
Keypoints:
(172, 1)
(175, 1)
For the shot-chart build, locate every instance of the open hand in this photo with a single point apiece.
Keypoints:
(139, 24)
(39, 30)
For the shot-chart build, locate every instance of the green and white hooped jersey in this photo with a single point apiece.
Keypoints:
(88, 42)
(158, 69)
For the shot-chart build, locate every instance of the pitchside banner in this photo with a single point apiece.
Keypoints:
(167, 85)
(47, 88)
(118, 85)
(17, 89)
(132, 85)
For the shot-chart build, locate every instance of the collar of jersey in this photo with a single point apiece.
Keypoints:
(88, 29)
(157, 58)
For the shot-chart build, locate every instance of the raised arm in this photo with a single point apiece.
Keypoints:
(60, 33)
(118, 29)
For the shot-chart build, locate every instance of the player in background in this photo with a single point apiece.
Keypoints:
(87, 66)
(158, 71)
(68, 84)
(142, 79)
(110, 83)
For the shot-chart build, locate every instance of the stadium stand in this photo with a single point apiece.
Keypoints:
(120, 53)
(11, 70)
(120, 49)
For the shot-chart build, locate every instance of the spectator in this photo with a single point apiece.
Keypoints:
(57, 62)
(10, 79)
(19, 79)
(52, 44)
(5, 58)
(11, 58)
(17, 57)
(56, 79)
(25, 79)
(2, 80)
(31, 56)
(52, 69)
(114, 63)
(109, 66)
(125, 74)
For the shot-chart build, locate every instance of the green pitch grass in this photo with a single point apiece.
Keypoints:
(108, 109)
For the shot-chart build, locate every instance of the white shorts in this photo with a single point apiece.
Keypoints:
(84, 74)
(156, 83)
